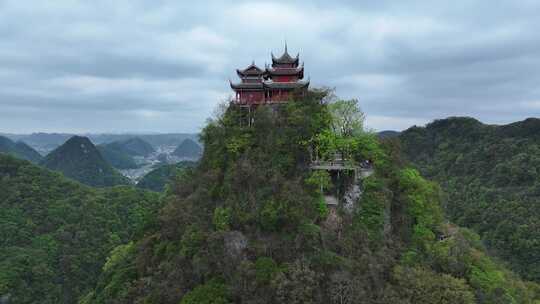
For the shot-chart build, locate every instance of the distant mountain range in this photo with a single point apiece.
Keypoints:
(46, 142)
(388, 134)
(116, 158)
(79, 159)
(19, 149)
(132, 147)
(188, 149)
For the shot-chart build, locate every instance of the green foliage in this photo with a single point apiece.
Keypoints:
(347, 117)
(374, 203)
(416, 285)
(117, 158)
(320, 179)
(251, 214)
(117, 255)
(490, 174)
(423, 206)
(238, 144)
(55, 234)
(322, 207)
(272, 216)
(222, 218)
(133, 146)
(158, 179)
(265, 270)
(213, 292)
(192, 241)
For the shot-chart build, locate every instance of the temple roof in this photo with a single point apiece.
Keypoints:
(286, 85)
(247, 85)
(256, 86)
(251, 70)
(285, 58)
(286, 71)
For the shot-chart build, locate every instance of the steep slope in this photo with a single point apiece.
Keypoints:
(188, 149)
(133, 147)
(19, 149)
(45, 142)
(157, 179)
(56, 233)
(491, 174)
(249, 225)
(117, 158)
(79, 159)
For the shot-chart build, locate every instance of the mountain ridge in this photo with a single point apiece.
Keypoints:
(19, 149)
(188, 149)
(79, 159)
(487, 171)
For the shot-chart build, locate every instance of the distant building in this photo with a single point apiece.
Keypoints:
(272, 85)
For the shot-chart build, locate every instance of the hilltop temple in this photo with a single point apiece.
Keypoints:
(272, 85)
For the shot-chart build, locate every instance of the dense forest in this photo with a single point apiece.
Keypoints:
(117, 158)
(491, 177)
(249, 224)
(133, 147)
(55, 233)
(159, 178)
(79, 159)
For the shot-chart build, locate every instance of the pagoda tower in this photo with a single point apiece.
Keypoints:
(275, 84)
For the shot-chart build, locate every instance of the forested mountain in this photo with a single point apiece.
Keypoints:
(46, 142)
(157, 179)
(133, 147)
(79, 159)
(250, 225)
(188, 149)
(19, 149)
(388, 134)
(491, 175)
(55, 233)
(117, 158)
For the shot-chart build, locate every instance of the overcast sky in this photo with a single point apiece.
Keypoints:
(163, 66)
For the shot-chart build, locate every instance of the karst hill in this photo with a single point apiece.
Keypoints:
(79, 159)
(250, 224)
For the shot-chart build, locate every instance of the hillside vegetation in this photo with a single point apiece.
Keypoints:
(55, 233)
(133, 147)
(159, 178)
(188, 149)
(79, 159)
(249, 225)
(491, 175)
(19, 149)
(117, 158)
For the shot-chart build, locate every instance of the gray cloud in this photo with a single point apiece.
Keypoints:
(104, 66)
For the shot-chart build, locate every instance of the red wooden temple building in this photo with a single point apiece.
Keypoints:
(272, 85)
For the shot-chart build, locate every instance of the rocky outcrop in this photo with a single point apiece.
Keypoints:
(235, 244)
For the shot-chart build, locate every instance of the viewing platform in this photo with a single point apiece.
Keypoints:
(362, 171)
